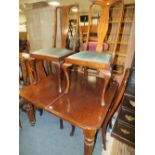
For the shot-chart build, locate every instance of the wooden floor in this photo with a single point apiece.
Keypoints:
(115, 147)
(119, 148)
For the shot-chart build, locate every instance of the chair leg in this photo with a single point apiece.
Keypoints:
(20, 125)
(31, 114)
(61, 124)
(104, 137)
(85, 71)
(110, 124)
(41, 112)
(72, 131)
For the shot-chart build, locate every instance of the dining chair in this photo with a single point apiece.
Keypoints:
(86, 57)
(27, 76)
(115, 105)
(65, 40)
(98, 26)
(66, 32)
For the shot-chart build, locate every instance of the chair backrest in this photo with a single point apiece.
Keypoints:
(23, 74)
(103, 22)
(62, 14)
(117, 100)
(31, 70)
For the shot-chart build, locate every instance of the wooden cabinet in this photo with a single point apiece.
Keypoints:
(124, 128)
(118, 34)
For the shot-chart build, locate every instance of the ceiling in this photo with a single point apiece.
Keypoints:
(84, 4)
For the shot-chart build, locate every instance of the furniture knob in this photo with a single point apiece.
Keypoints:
(124, 131)
(132, 103)
(129, 118)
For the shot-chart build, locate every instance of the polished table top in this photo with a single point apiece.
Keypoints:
(80, 106)
(42, 93)
(52, 54)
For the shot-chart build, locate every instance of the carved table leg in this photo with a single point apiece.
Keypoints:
(30, 113)
(89, 137)
(107, 75)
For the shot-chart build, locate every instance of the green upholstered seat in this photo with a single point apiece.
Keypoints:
(54, 52)
(97, 57)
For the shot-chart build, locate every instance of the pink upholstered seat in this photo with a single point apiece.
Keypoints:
(92, 46)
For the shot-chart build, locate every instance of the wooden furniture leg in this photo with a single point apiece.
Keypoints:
(107, 75)
(89, 137)
(41, 112)
(30, 113)
(72, 131)
(61, 124)
(110, 124)
(20, 125)
(85, 71)
(58, 65)
(65, 69)
(104, 137)
(104, 129)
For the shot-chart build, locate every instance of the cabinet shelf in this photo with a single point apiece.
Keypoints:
(127, 21)
(119, 53)
(111, 22)
(113, 42)
(124, 21)
(121, 33)
(120, 43)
